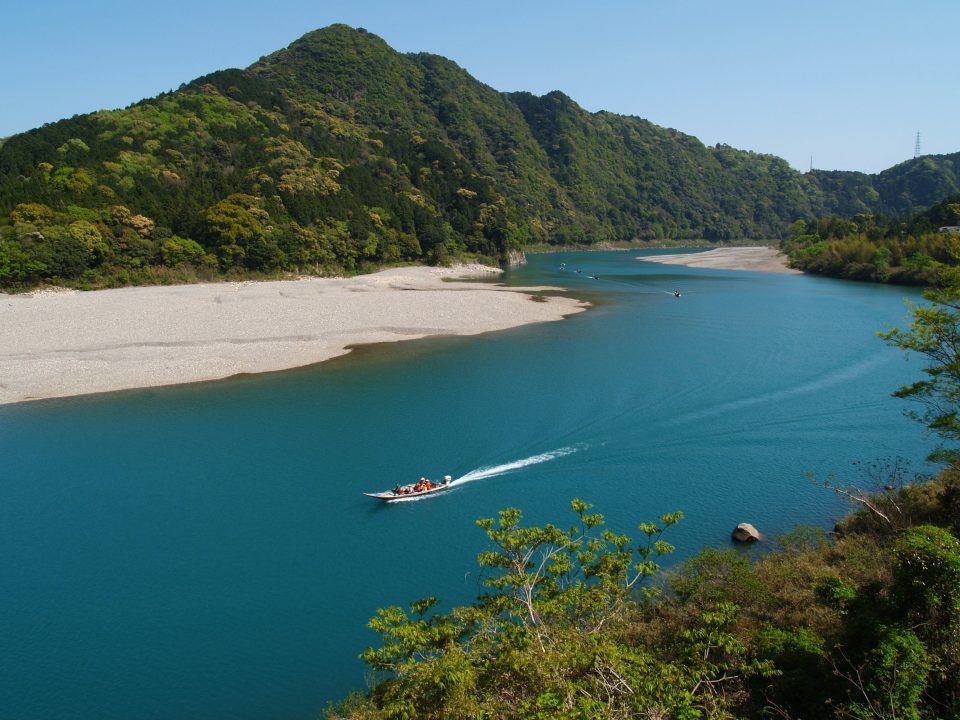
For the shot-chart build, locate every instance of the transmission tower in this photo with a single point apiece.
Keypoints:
(916, 147)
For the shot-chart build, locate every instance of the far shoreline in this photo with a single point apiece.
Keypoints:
(67, 343)
(746, 258)
(749, 258)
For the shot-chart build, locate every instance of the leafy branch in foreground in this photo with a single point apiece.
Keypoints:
(548, 573)
(555, 635)
(935, 335)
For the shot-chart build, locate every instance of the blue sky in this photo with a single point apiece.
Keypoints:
(848, 82)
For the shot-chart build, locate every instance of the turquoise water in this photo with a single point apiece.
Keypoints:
(205, 551)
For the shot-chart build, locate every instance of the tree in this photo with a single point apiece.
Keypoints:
(549, 572)
(234, 225)
(935, 334)
(16, 266)
(176, 250)
(888, 685)
(32, 213)
(87, 233)
(926, 590)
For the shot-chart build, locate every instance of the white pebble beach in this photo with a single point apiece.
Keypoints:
(757, 259)
(63, 343)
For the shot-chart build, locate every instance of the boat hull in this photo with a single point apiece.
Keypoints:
(389, 495)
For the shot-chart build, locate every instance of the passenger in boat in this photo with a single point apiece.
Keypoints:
(398, 490)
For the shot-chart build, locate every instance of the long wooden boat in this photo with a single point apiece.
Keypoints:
(407, 491)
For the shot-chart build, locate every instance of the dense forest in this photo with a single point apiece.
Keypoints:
(578, 621)
(338, 154)
(878, 248)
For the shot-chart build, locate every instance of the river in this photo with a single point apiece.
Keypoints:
(205, 551)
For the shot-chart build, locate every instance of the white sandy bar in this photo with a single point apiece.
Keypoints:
(55, 344)
(759, 259)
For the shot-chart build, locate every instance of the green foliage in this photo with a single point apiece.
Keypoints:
(877, 248)
(890, 682)
(927, 579)
(800, 658)
(33, 213)
(714, 575)
(926, 593)
(935, 335)
(836, 593)
(552, 636)
(233, 227)
(17, 267)
(176, 250)
(73, 148)
(548, 574)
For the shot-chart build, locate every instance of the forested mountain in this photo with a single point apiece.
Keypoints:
(338, 153)
(902, 190)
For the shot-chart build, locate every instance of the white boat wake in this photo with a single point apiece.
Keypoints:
(837, 377)
(494, 470)
(490, 471)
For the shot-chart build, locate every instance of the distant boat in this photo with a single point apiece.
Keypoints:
(676, 293)
(402, 492)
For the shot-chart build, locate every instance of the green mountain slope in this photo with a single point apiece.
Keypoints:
(909, 187)
(904, 189)
(338, 154)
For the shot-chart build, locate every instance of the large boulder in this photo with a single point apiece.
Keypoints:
(745, 533)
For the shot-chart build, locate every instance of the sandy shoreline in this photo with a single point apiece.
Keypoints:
(56, 344)
(757, 259)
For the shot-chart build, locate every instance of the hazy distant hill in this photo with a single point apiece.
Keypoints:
(339, 153)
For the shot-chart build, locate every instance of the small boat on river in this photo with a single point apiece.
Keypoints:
(404, 492)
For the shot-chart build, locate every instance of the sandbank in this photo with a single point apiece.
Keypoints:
(62, 343)
(758, 259)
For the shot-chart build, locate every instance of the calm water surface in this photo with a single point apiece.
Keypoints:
(205, 551)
